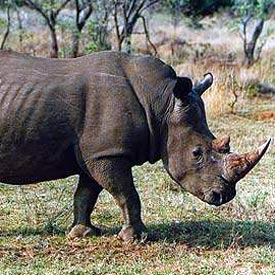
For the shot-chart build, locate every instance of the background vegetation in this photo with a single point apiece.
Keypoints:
(232, 39)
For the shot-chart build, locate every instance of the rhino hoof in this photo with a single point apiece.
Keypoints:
(129, 233)
(80, 231)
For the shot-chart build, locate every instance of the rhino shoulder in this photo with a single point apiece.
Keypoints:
(129, 64)
(151, 66)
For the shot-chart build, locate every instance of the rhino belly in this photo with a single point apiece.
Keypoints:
(24, 166)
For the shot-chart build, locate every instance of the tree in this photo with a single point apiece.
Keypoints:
(100, 26)
(8, 24)
(126, 14)
(253, 11)
(49, 10)
(11, 6)
(83, 11)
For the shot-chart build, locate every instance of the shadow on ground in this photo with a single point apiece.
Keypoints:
(211, 235)
(203, 234)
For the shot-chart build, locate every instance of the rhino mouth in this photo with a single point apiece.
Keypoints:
(220, 195)
(217, 197)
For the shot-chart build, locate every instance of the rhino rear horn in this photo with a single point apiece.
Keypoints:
(221, 144)
(204, 84)
(237, 166)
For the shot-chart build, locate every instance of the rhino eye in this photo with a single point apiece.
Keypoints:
(197, 153)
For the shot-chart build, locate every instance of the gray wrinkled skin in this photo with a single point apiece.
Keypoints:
(97, 116)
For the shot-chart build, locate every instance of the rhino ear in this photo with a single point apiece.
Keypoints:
(204, 84)
(183, 87)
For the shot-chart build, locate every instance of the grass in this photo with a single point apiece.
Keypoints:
(191, 237)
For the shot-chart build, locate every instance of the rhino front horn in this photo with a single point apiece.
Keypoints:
(237, 166)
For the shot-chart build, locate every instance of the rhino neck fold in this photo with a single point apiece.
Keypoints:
(156, 105)
(153, 82)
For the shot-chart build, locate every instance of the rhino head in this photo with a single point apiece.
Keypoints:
(200, 163)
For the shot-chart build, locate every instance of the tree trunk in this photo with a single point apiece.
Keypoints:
(54, 43)
(128, 43)
(75, 43)
(249, 54)
(20, 27)
(250, 47)
(7, 29)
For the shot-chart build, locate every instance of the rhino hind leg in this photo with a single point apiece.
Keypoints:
(85, 198)
(114, 174)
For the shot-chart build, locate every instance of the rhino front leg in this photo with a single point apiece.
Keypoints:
(85, 198)
(114, 174)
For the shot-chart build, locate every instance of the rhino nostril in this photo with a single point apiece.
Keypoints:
(216, 197)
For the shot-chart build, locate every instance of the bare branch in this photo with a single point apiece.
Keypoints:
(129, 14)
(130, 20)
(50, 19)
(147, 35)
(32, 5)
(119, 40)
(249, 47)
(20, 26)
(141, 5)
(243, 31)
(62, 6)
(78, 10)
(83, 14)
(257, 31)
(131, 8)
(125, 19)
(259, 49)
(151, 3)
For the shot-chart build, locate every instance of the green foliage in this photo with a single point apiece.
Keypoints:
(2, 23)
(91, 47)
(98, 37)
(255, 8)
(196, 8)
(48, 5)
(18, 3)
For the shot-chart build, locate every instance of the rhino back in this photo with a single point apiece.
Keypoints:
(42, 109)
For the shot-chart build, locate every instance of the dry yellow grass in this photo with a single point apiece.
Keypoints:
(216, 48)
